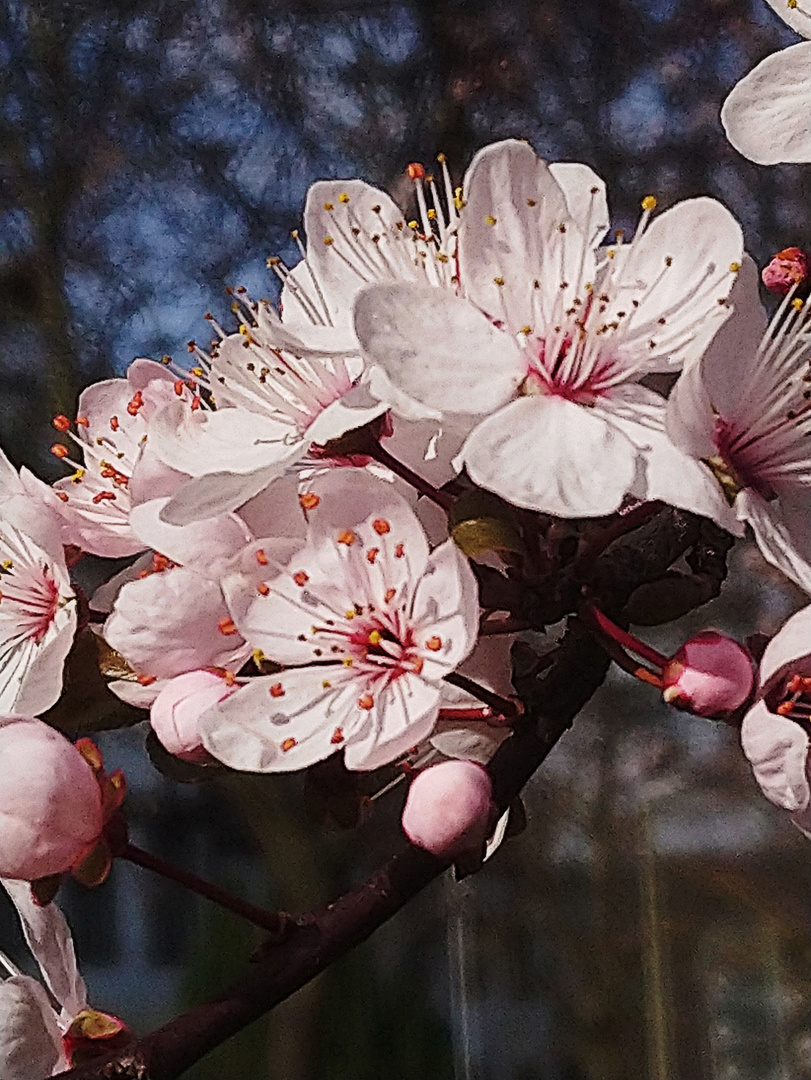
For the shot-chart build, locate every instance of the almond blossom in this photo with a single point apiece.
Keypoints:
(766, 114)
(543, 348)
(366, 622)
(775, 731)
(746, 408)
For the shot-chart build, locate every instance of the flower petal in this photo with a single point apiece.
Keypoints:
(586, 200)
(200, 544)
(547, 454)
(766, 114)
(791, 644)
(777, 750)
(438, 348)
(788, 547)
(348, 413)
(403, 716)
(219, 493)
(446, 609)
(30, 1039)
(797, 16)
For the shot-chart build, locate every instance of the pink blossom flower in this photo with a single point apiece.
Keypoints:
(367, 622)
(176, 711)
(544, 345)
(709, 675)
(450, 809)
(744, 408)
(766, 114)
(50, 802)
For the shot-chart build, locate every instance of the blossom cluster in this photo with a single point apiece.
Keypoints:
(301, 579)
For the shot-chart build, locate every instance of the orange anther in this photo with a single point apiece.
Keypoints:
(301, 578)
(288, 744)
(366, 702)
(309, 500)
(381, 526)
(784, 708)
(399, 551)
(389, 595)
(337, 736)
(60, 451)
(61, 422)
(136, 403)
(114, 423)
(795, 685)
(416, 171)
(103, 496)
(261, 557)
(146, 680)
(262, 588)
(195, 403)
(227, 626)
(434, 643)
(347, 537)
(63, 495)
(371, 554)
(82, 421)
(160, 563)
(179, 387)
(277, 690)
(417, 665)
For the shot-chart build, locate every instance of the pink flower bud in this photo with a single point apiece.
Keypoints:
(788, 268)
(178, 707)
(710, 675)
(449, 809)
(50, 801)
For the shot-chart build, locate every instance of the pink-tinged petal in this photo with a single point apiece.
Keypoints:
(215, 494)
(709, 675)
(470, 740)
(766, 114)
(403, 406)
(548, 454)
(342, 261)
(450, 808)
(352, 411)
(791, 644)
(516, 229)
(30, 1039)
(201, 544)
(429, 447)
(284, 722)
(276, 510)
(105, 595)
(676, 273)
(798, 16)
(490, 665)
(50, 803)
(50, 940)
(403, 716)
(228, 440)
(690, 419)
(586, 199)
(30, 505)
(665, 472)
(777, 750)
(176, 711)
(151, 478)
(295, 329)
(787, 548)
(135, 694)
(438, 348)
(245, 586)
(172, 622)
(445, 612)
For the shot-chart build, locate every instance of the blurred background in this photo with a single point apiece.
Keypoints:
(654, 920)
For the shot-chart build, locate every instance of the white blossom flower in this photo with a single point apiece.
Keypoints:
(544, 346)
(766, 116)
(366, 621)
(775, 731)
(746, 408)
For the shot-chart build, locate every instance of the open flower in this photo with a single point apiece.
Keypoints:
(366, 621)
(545, 344)
(766, 114)
(775, 731)
(746, 408)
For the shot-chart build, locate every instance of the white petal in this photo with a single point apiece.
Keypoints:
(787, 549)
(219, 493)
(30, 1039)
(516, 229)
(200, 544)
(352, 411)
(798, 18)
(777, 750)
(547, 454)
(408, 408)
(446, 606)
(586, 200)
(766, 115)
(438, 348)
(404, 715)
(690, 420)
(50, 940)
(790, 644)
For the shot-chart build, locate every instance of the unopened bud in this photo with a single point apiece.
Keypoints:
(450, 809)
(789, 268)
(710, 675)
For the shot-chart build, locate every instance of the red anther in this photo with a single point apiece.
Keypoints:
(261, 557)
(60, 451)
(136, 403)
(371, 555)
(82, 421)
(180, 386)
(227, 626)
(61, 422)
(277, 690)
(103, 496)
(146, 680)
(337, 736)
(416, 171)
(63, 495)
(434, 643)
(796, 684)
(399, 551)
(114, 423)
(301, 578)
(784, 708)
(389, 595)
(195, 403)
(108, 472)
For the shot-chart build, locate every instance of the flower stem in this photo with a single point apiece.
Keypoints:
(623, 638)
(273, 921)
(510, 625)
(383, 457)
(502, 706)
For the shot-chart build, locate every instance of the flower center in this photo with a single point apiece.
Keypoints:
(792, 699)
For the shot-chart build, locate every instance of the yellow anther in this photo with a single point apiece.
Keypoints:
(294, 234)
(668, 260)
(347, 661)
(374, 637)
(7, 564)
(441, 158)
(328, 241)
(792, 4)
(797, 303)
(272, 260)
(329, 206)
(735, 267)
(413, 225)
(498, 280)
(343, 197)
(78, 476)
(611, 253)
(432, 214)
(526, 330)
(326, 684)
(650, 202)
(489, 219)
(442, 258)
(258, 657)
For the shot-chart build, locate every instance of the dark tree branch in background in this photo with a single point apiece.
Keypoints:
(553, 698)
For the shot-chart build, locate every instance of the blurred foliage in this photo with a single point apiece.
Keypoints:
(152, 152)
